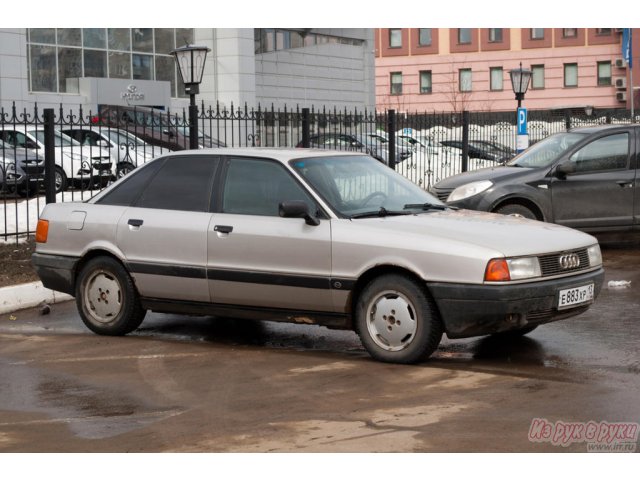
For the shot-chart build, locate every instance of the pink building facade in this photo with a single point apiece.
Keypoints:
(442, 69)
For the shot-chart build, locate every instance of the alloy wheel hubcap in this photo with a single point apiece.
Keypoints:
(103, 296)
(391, 321)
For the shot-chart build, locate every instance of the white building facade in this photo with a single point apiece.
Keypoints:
(88, 68)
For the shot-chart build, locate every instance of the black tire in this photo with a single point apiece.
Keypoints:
(396, 320)
(521, 332)
(517, 210)
(61, 180)
(103, 280)
(123, 169)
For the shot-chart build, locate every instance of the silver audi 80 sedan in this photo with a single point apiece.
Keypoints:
(315, 237)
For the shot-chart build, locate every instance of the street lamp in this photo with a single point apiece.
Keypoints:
(520, 78)
(190, 60)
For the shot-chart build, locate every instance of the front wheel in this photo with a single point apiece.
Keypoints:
(107, 299)
(123, 169)
(397, 321)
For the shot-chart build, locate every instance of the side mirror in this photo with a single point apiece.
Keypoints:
(297, 209)
(565, 168)
(103, 144)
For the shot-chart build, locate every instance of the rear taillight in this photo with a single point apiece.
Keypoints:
(42, 231)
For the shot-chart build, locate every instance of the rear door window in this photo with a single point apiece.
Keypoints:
(183, 183)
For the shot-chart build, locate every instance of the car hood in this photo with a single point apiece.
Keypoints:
(490, 173)
(489, 234)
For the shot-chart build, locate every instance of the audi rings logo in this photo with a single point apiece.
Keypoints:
(569, 260)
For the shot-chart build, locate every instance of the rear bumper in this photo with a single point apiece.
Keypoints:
(56, 272)
(473, 310)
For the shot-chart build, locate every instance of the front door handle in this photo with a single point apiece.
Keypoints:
(135, 222)
(624, 184)
(223, 228)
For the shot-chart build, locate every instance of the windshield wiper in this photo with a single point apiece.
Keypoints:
(383, 212)
(425, 206)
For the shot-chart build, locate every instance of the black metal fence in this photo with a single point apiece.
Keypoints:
(65, 156)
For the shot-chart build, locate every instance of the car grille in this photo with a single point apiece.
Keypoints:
(442, 193)
(552, 264)
(100, 165)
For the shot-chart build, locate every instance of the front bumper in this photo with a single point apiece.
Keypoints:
(473, 310)
(56, 272)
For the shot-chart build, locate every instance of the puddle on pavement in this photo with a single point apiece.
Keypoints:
(89, 412)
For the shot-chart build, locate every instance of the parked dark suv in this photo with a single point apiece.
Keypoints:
(21, 170)
(585, 178)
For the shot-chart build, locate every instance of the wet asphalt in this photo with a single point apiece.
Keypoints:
(202, 384)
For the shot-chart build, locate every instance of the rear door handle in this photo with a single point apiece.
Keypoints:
(625, 184)
(135, 222)
(223, 228)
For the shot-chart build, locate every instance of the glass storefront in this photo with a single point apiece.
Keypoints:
(58, 55)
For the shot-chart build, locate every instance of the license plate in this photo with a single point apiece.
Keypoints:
(572, 297)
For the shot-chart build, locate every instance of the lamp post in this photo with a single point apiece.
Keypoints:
(520, 78)
(190, 60)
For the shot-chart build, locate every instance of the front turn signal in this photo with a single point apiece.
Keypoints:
(497, 271)
(42, 231)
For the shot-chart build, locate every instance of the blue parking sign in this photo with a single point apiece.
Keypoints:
(522, 121)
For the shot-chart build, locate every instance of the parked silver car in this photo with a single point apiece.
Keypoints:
(313, 237)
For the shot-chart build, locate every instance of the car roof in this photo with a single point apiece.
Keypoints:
(281, 154)
(600, 128)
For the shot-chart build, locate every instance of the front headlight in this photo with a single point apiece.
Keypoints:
(508, 269)
(469, 190)
(595, 256)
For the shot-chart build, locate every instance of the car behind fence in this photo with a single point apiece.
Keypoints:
(82, 152)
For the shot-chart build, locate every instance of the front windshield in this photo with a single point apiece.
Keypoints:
(545, 152)
(358, 185)
(123, 138)
(60, 139)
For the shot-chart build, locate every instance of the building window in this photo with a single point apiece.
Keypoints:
(464, 80)
(570, 74)
(426, 85)
(537, 34)
(267, 40)
(604, 73)
(495, 35)
(59, 56)
(496, 78)
(464, 36)
(601, 32)
(569, 33)
(395, 38)
(396, 83)
(537, 77)
(424, 37)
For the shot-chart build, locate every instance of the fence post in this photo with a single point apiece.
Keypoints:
(306, 128)
(567, 120)
(465, 140)
(49, 156)
(391, 134)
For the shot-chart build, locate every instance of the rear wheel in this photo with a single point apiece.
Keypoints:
(61, 181)
(107, 298)
(517, 210)
(397, 321)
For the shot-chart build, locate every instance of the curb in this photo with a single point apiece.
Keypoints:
(28, 295)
